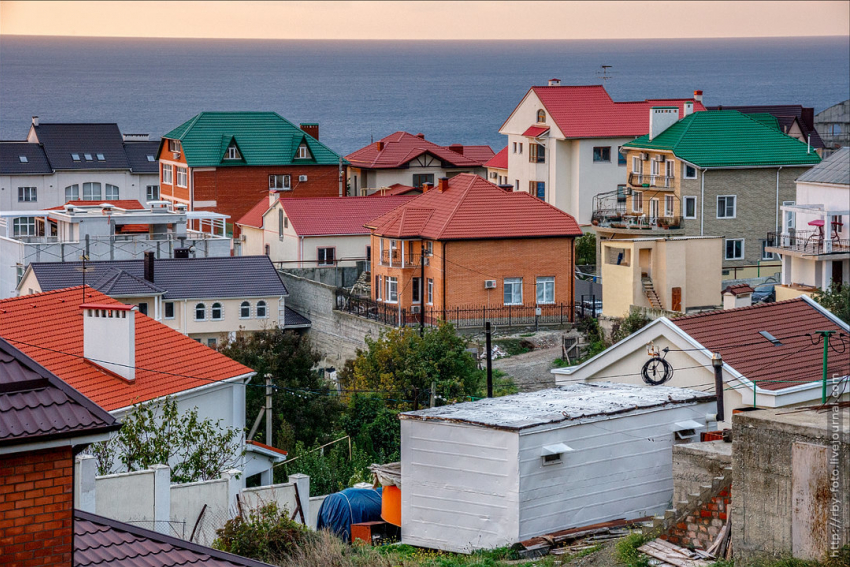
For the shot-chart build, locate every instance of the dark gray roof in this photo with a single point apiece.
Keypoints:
(36, 405)
(10, 159)
(180, 278)
(294, 320)
(137, 155)
(834, 169)
(103, 542)
(62, 140)
(117, 282)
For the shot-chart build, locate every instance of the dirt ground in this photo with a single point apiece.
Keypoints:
(531, 371)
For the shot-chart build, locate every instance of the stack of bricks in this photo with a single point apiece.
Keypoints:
(36, 508)
(700, 528)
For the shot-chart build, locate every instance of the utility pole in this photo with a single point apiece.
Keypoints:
(269, 410)
(489, 361)
(825, 335)
(717, 363)
(433, 393)
(340, 177)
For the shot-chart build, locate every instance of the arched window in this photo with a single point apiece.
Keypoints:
(217, 312)
(541, 115)
(112, 192)
(200, 312)
(72, 193)
(245, 310)
(261, 309)
(91, 192)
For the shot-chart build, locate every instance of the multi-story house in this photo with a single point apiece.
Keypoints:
(814, 244)
(718, 173)
(223, 296)
(793, 119)
(411, 160)
(833, 125)
(564, 142)
(58, 163)
(497, 168)
(467, 242)
(227, 161)
(314, 232)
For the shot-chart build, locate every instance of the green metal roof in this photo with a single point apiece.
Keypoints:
(727, 138)
(768, 120)
(263, 138)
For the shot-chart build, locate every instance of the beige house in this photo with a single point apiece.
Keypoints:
(671, 274)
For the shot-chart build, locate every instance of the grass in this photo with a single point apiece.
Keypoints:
(627, 550)
(513, 347)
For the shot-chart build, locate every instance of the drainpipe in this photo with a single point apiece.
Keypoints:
(301, 252)
(702, 203)
(777, 227)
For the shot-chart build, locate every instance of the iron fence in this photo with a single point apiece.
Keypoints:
(811, 242)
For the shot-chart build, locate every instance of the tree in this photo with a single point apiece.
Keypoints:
(302, 399)
(835, 299)
(586, 249)
(401, 365)
(631, 323)
(156, 433)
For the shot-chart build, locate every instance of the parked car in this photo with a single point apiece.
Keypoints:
(764, 293)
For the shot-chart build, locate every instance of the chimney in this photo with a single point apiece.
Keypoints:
(136, 137)
(311, 128)
(181, 252)
(689, 108)
(444, 184)
(457, 148)
(698, 96)
(661, 118)
(554, 82)
(426, 187)
(109, 337)
(420, 135)
(149, 256)
(379, 146)
(507, 188)
(35, 120)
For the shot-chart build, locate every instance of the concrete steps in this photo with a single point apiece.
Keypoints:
(650, 293)
(671, 517)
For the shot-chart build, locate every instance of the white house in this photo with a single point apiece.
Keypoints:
(496, 471)
(564, 142)
(770, 352)
(58, 163)
(815, 240)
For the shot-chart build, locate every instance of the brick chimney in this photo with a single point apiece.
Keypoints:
(661, 118)
(425, 187)
(148, 263)
(311, 128)
(420, 135)
(457, 148)
(444, 184)
(698, 96)
(109, 337)
(379, 146)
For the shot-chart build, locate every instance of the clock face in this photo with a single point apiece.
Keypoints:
(656, 371)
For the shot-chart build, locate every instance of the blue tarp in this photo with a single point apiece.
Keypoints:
(351, 506)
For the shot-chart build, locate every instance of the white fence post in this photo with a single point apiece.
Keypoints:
(162, 498)
(302, 481)
(85, 489)
(234, 486)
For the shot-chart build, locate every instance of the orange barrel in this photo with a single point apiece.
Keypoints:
(391, 505)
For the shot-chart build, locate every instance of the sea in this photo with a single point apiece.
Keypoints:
(360, 91)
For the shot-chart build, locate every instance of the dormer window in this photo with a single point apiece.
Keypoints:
(303, 152)
(88, 157)
(233, 152)
(151, 158)
(75, 157)
(173, 145)
(24, 159)
(101, 157)
(541, 115)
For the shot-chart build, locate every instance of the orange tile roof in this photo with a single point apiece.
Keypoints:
(500, 160)
(48, 327)
(472, 208)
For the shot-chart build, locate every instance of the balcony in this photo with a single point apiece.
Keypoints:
(807, 243)
(642, 180)
(394, 259)
(637, 222)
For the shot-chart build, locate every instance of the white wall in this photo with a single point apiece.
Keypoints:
(376, 178)
(51, 188)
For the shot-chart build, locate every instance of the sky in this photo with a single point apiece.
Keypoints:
(513, 20)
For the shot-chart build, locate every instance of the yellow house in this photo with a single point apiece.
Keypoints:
(679, 273)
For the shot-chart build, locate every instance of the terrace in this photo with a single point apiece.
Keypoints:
(610, 212)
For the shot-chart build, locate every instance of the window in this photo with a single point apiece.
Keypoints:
(217, 312)
(27, 194)
(75, 157)
(268, 250)
(654, 167)
(637, 165)
(392, 289)
(167, 171)
(326, 256)
(541, 190)
(726, 207)
(428, 248)
(690, 207)
(143, 308)
(232, 152)
(280, 224)
(516, 184)
(23, 159)
(101, 157)
(279, 182)
(174, 146)
(790, 216)
(420, 178)
(151, 158)
(765, 255)
(182, 180)
(621, 193)
(303, 152)
(211, 343)
(416, 289)
(378, 288)
(112, 192)
(513, 291)
(536, 153)
(261, 310)
(88, 157)
(520, 147)
(245, 310)
(668, 205)
(152, 192)
(368, 253)
(734, 248)
(72, 193)
(430, 291)
(602, 154)
(24, 226)
(200, 312)
(91, 191)
(670, 168)
(514, 147)
(169, 309)
(621, 157)
(541, 115)
(545, 290)
(690, 171)
(637, 202)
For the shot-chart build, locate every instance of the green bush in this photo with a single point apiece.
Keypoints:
(266, 534)
(627, 550)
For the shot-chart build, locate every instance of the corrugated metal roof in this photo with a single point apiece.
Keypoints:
(785, 115)
(23, 158)
(834, 169)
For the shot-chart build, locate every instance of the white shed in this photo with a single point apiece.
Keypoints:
(489, 473)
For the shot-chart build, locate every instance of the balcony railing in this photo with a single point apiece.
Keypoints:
(638, 180)
(811, 242)
(393, 259)
(606, 219)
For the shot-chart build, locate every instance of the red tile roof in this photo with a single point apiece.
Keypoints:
(266, 447)
(254, 217)
(401, 147)
(397, 189)
(48, 327)
(473, 208)
(126, 204)
(589, 112)
(534, 131)
(500, 160)
(337, 215)
(735, 334)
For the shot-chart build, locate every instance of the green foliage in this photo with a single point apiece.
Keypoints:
(303, 400)
(330, 469)
(631, 323)
(266, 534)
(627, 552)
(373, 427)
(513, 347)
(836, 299)
(586, 249)
(156, 433)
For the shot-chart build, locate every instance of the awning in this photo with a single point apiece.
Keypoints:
(535, 131)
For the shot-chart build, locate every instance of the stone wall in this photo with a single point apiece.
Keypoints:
(696, 465)
(340, 276)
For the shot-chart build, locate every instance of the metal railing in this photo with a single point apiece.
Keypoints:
(617, 219)
(394, 259)
(649, 180)
(811, 242)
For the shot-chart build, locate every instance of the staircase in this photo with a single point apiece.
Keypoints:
(649, 292)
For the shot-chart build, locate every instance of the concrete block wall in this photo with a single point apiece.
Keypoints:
(698, 464)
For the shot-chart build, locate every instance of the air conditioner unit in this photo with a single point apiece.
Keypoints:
(426, 261)
(176, 155)
(302, 178)
(644, 156)
(489, 284)
(242, 238)
(416, 309)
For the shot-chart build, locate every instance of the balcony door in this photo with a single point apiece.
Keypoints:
(653, 210)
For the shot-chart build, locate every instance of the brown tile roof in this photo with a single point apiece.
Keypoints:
(738, 289)
(735, 334)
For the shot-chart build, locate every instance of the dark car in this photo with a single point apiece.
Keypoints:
(765, 293)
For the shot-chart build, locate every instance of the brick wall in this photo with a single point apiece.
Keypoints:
(36, 507)
(700, 528)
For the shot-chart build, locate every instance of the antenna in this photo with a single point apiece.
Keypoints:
(605, 73)
(84, 269)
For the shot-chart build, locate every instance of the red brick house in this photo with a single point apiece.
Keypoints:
(469, 243)
(227, 161)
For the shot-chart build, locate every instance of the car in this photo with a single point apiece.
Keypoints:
(764, 293)
(592, 308)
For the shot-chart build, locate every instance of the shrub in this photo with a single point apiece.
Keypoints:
(266, 534)
(627, 550)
